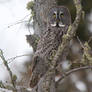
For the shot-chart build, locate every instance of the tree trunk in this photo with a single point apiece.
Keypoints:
(41, 9)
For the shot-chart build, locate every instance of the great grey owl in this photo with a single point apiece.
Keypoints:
(58, 22)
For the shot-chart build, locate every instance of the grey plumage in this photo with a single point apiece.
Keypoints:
(49, 42)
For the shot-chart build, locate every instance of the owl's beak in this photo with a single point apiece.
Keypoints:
(57, 22)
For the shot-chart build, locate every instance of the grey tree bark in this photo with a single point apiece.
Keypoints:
(41, 9)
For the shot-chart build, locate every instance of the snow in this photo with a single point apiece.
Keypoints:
(81, 86)
(5, 90)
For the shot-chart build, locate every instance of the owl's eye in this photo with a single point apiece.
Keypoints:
(61, 15)
(54, 15)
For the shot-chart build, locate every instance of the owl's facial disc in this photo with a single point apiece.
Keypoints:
(61, 16)
(57, 24)
(54, 16)
(61, 25)
(54, 24)
(57, 17)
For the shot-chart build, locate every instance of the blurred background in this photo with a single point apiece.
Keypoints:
(85, 28)
(14, 26)
(80, 81)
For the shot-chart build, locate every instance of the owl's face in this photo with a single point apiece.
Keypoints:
(59, 17)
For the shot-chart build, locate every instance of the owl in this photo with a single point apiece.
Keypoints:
(58, 22)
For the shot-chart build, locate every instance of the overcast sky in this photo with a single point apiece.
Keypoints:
(13, 40)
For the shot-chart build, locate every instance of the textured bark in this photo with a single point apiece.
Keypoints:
(33, 41)
(47, 83)
(41, 9)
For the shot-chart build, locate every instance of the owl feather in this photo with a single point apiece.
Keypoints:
(48, 45)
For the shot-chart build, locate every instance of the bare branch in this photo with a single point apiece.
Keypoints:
(9, 70)
(90, 39)
(86, 57)
(20, 21)
(13, 58)
(66, 74)
(32, 40)
(8, 86)
(81, 44)
(19, 56)
(2, 85)
(17, 23)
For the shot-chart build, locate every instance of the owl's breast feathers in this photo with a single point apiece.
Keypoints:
(49, 42)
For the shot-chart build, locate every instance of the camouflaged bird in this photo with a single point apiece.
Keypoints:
(59, 20)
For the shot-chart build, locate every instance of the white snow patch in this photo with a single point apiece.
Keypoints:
(81, 86)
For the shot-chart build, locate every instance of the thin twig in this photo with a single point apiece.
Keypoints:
(20, 21)
(81, 44)
(90, 39)
(66, 74)
(13, 58)
(2, 85)
(19, 56)
(9, 70)
(17, 23)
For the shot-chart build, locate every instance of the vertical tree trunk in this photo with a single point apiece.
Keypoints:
(41, 9)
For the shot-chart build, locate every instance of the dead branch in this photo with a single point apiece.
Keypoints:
(9, 70)
(66, 74)
(20, 21)
(32, 40)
